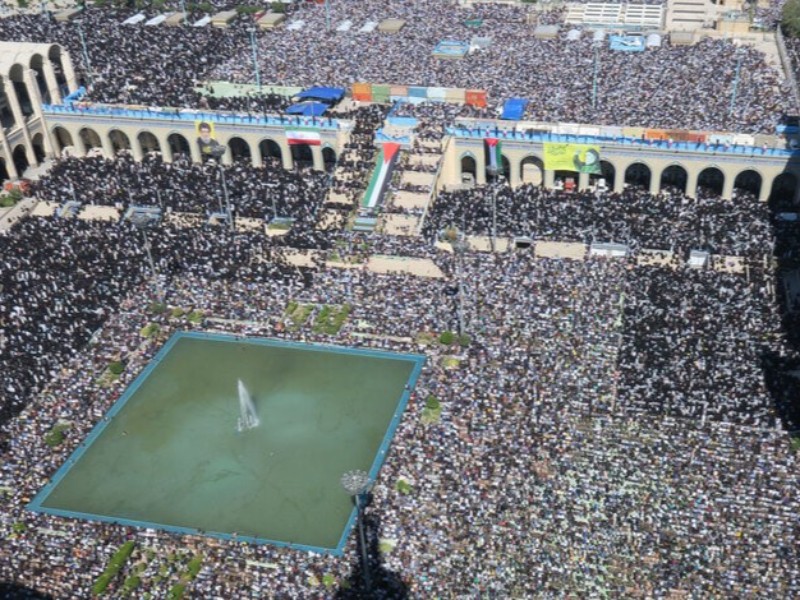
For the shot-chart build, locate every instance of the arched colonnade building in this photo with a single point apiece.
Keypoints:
(766, 172)
(31, 76)
(109, 130)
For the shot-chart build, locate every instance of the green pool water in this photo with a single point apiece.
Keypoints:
(171, 455)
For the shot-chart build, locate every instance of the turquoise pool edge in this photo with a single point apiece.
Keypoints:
(36, 505)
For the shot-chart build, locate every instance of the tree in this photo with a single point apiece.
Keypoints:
(791, 18)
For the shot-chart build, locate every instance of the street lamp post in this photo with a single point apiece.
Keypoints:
(596, 74)
(254, 46)
(86, 62)
(496, 176)
(740, 57)
(356, 483)
(142, 222)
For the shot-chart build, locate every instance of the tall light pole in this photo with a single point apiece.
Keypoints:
(596, 74)
(86, 62)
(254, 46)
(183, 10)
(225, 195)
(142, 222)
(740, 57)
(496, 176)
(356, 483)
(328, 14)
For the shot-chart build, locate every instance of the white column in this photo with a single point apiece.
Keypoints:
(766, 188)
(52, 82)
(727, 186)
(36, 100)
(69, 72)
(10, 167)
(316, 155)
(655, 182)
(11, 94)
(549, 178)
(691, 182)
(583, 181)
(286, 156)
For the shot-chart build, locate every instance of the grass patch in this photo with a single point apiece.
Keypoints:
(328, 580)
(425, 338)
(116, 367)
(131, 583)
(194, 566)
(157, 308)
(18, 527)
(177, 312)
(385, 546)
(447, 338)
(55, 437)
(150, 330)
(330, 319)
(299, 316)
(403, 487)
(450, 362)
(279, 226)
(176, 591)
(115, 565)
(795, 443)
(196, 317)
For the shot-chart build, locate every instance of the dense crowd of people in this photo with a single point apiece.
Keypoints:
(579, 450)
(606, 427)
(163, 66)
(667, 221)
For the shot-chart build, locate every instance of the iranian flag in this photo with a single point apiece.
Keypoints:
(494, 153)
(303, 136)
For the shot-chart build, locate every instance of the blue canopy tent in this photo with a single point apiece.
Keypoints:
(329, 95)
(308, 109)
(513, 109)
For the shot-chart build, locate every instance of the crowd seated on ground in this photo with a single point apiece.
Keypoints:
(591, 439)
(670, 87)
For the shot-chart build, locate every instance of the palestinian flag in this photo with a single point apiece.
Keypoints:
(303, 136)
(381, 174)
(495, 153)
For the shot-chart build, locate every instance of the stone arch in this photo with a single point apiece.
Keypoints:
(240, 149)
(531, 170)
(639, 175)
(4, 175)
(17, 77)
(269, 148)
(90, 139)
(607, 172)
(38, 147)
(302, 155)
(63, 138)
(148, 142)
(329, 159)
(119, 140)
(6, 114)
(178, 146)
(674, 176)
(55, 57)
(749, 181)
(783, 191)
(711, 179)
(37, 64)
(20, 158)
(469, 168)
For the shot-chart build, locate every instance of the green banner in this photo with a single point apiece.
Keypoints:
(583, 158)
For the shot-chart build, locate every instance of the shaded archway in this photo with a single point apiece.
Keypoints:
(531, 170)
(6, 114)
(711, 180)
(329, 159)
(54, 54)
(674, 176)
(301, 155)
(469, 169)
(748, 181)
(20, 158)
(638, 175)
(784, 188)
(3, 170)
(63, 138)
(90, 139)
(37, 64)
(178, 146)
(38, 147)
(16, 75)
(270, 149)
(607, 174)
(119, 141)
(240, 149)
(148, 142)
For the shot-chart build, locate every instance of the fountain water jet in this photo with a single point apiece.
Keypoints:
(247, 411)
